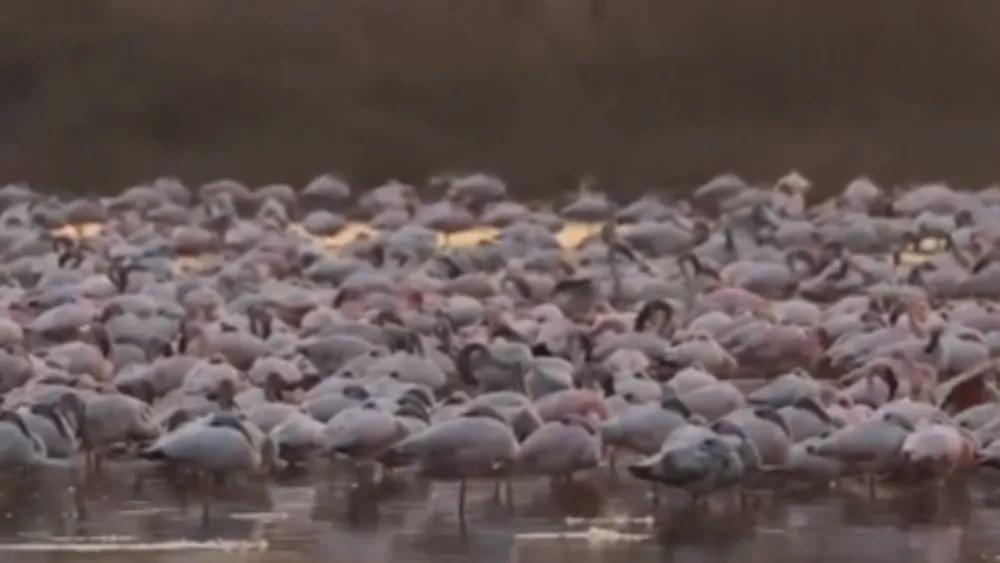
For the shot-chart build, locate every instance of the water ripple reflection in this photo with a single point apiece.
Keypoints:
(54, 517)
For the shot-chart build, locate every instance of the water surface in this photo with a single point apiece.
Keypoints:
(53, 516)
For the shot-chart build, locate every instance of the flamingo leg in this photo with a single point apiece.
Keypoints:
(509, 489)
(461, 501)
(208, 488)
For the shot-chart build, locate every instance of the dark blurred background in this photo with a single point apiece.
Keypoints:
(98, 94)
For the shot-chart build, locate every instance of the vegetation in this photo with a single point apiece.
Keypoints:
(98, 94)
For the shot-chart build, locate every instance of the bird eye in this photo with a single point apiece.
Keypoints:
(712, 443)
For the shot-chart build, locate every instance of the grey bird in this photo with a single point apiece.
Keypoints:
(697, 460)
(478, 444)
(560, 448)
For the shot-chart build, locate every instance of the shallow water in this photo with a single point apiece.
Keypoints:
(597, 519)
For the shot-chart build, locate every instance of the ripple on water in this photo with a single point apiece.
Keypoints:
(115, 544)
(262, 517)
(592, 535)
(594, 520)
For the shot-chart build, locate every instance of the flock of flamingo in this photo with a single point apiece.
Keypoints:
(695, 344)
